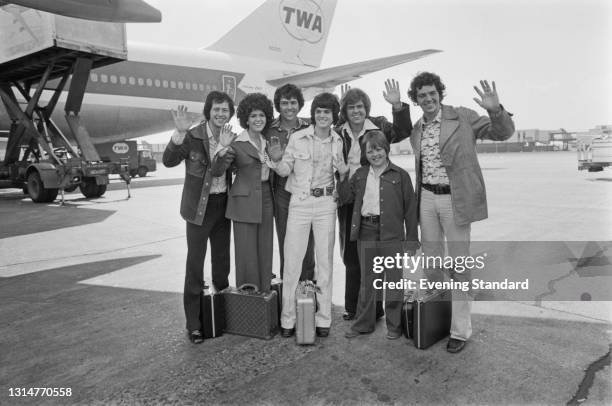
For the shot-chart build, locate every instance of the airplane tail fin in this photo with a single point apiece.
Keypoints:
(292, 31)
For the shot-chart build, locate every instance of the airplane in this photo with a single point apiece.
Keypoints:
(282, 41)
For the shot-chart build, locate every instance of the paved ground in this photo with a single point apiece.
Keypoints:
(90, 300)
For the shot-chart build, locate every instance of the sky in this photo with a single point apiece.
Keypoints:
(551, 59)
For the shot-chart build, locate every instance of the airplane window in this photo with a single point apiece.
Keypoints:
(94, 77)
(201, 87)
(180, 85)
(194, 86)
(165, 83)
(132, 80)
(187, 85)
(140, 82)
(173, 84)
(157, 83)
(149, 82)
(113, 79)
(122, 80)
(104, 78)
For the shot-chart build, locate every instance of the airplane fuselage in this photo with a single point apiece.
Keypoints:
(133, 98)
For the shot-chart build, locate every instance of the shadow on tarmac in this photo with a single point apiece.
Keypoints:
(126, 346)
(35, 218)
(146, 182)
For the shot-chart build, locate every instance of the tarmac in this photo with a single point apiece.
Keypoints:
(91, 300)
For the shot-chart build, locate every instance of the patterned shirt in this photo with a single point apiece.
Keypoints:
(219, 183)
(433, 171)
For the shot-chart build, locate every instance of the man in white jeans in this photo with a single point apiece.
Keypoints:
(450, 186)
(310, 161)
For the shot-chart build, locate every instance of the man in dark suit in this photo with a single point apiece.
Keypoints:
(204, 199)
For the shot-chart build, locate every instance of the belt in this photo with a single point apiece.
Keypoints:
(320, 191)
(437, 189)
(371, 219)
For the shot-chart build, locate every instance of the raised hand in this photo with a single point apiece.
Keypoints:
(343, 89)
(226, 136)
(181, 120)
(275, 151)
(392, 93)
(488, 97)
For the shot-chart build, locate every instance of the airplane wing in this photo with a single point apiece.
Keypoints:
(332, 77)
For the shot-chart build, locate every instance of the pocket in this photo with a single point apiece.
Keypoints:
(301, 155)
(195, 165)
(240, 189)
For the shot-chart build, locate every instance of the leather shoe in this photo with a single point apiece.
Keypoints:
(287, 332)
(393, 336)
(196, 337)
(322, 331)
(352, 333)
(454, 345)
(348, 316)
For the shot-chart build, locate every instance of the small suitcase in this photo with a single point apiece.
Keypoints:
(426, 318)
(249, 312)
(277, 286)
(211, 313)
(305, 308)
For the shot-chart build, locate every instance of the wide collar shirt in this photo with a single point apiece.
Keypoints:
(371, 196)
(219, 183)
(308, 161)
(354, 155)
(433, 172)
(261, 151)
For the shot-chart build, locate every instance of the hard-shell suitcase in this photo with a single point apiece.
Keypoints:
(211, 313)
(277, 286)
(305, 307)
(250, 312)
(426, 317)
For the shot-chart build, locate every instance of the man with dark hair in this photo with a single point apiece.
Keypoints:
(311, 160)
(204, 199)
(449, 186)
(355, 108)
(288, 101)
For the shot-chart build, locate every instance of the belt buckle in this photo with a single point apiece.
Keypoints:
(329, 190)
(318, 192)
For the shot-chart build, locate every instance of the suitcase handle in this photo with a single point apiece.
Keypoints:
(249, 288)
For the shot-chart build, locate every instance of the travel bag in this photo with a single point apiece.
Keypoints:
(305, 309)
(249, 312)
(426, 317)
(277, 286)
(211, 313)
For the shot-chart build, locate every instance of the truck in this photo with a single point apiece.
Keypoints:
(41, 51)
(138, 158)
(595, 155)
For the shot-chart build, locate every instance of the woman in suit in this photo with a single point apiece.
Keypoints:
(250, 203)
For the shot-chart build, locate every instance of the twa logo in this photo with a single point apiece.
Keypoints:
(121, 148)
(303, 20)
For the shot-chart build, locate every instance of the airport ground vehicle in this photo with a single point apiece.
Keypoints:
(594, 156)
(55, 52)
(138, 158)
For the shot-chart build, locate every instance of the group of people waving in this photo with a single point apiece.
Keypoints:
(303, 173)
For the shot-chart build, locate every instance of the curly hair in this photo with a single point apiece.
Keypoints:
(288, 91)
(325, 101)
(426, 79)
(354, 96)
(252, 102)
(217, 97)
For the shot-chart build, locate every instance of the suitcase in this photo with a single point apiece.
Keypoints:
(277, 286)
(249, 312)
(426, 318)
(305, 308)
(211, 313)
